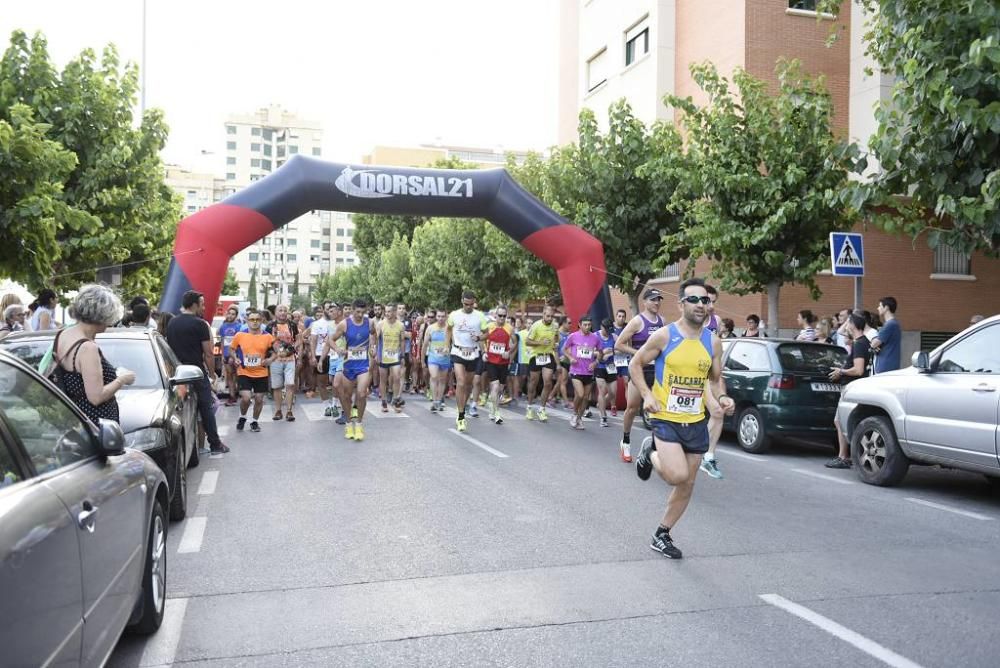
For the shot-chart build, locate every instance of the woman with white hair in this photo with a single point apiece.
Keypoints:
(13, 319)
(83, 373)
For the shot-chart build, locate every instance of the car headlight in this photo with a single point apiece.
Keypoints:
(146, 439)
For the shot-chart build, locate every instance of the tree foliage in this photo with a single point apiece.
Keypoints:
(759, 196)
(619, 186)
(938, 137)
(102, 198)
(231, 285)
(252, 288)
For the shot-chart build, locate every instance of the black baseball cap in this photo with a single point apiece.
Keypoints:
(652, 293)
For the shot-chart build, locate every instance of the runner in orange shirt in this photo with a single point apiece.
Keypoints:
(253, 353)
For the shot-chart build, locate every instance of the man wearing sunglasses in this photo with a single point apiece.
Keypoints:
(636, 333)
(685, 388)
(499, 350)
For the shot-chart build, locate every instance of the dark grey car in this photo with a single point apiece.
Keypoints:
(157, 417)
(82, 529)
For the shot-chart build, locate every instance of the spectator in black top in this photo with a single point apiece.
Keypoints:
(142, 317)
(753, 329)
(190, 337)
(83, 373)
(857, 366)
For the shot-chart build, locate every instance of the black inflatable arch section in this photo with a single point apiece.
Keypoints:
(208, 239)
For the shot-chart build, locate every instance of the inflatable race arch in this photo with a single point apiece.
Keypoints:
(206, 240)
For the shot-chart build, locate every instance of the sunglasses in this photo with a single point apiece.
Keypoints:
(697, 300)
(501, 315)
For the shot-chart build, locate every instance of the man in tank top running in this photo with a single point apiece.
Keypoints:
(633, 336)
(359, 331)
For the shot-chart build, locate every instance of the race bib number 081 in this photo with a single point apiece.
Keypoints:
(543, 360)
(685, 400)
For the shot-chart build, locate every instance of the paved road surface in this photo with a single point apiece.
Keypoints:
(527, 545)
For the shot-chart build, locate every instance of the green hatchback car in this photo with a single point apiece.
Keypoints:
(781, 388)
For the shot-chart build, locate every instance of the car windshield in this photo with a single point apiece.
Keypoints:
(134, 354)
(811, 358)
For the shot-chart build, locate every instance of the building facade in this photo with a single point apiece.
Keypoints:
(427, 154)
(642, 50)
(316, 243)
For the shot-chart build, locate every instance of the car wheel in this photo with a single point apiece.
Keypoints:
(178, 502)
(154, 575)
(751, 432)
(876, 452)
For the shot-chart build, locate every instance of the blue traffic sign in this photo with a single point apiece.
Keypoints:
(847, 254)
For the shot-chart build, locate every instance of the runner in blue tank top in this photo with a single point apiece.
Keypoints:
(635, 334)
(359, 332)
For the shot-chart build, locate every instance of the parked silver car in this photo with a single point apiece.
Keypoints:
(83, 529)
(942, 410)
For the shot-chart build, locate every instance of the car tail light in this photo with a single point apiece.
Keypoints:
(781, 382)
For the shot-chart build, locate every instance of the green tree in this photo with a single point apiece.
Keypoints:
(619, 186)
(373, 233)
(390, 278)
(32, 208)
(252, 288)
(114, 206)
(759, 196)
(231, 285)
(297, 301)
(938, 135)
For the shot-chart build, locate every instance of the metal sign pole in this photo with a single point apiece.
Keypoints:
(858, 299)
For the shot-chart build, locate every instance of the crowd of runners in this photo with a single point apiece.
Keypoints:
(478, 358)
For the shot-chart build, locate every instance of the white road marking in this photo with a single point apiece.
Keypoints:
(194, 533)
(478, 444)
(743, 455)
(208, 482)
(829, 478)
(957, 511)
(379, 415)
(870, 647)
(161, 647)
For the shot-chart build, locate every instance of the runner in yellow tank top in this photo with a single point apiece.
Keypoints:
(391, 334)
(687, 382)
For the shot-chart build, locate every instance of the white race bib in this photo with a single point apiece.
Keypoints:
(390, 356)
(438, 351)
(621, 360)
(585, 353)
(334, 355)
(251, 361)
(497, 348)
(357, 354)
(685, 400)
(610, 367)
(468, 353)
(543, 360)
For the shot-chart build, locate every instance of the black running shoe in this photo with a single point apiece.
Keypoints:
(242, 422)
(838, 463)
(643, 463)
(220, 450)
(664, 545)
(254, 426)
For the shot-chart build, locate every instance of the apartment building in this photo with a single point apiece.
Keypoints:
(316, 243)
(199, 189)
(642, 50)
(427, 154)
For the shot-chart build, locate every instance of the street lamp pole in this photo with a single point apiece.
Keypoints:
(142, 95)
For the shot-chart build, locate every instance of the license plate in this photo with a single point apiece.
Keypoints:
(826, 387)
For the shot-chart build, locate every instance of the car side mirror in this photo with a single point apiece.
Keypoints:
(921, 361)
(112, 438)
(186, 374)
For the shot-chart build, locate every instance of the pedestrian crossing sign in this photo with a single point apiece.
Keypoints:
(847, 253)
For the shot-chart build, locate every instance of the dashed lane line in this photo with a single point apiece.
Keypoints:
(821, 476)
(479, 444)
(194, 533)
(208, 482)
(866, 645)
(161, 647)
(950, 509)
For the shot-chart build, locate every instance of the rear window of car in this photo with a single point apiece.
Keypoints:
(135, 355)
(811, 358)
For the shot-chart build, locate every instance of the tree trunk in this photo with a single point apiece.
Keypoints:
(633, 300)
(773, 292)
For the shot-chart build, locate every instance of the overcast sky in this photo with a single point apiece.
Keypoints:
(398, 72)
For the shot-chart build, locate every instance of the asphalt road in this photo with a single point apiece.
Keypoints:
(527, 544)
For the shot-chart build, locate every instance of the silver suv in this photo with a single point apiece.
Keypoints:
(942, 410)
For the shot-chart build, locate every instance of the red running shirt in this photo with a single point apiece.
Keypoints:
(498, 341)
